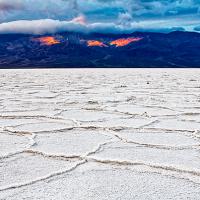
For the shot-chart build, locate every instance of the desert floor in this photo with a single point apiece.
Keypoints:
(100, 134)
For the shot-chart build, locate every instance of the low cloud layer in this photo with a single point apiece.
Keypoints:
(49, 26)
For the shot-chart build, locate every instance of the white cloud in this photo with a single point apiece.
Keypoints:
(49, 26)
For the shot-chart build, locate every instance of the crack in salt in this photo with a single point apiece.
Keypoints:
(126, 163)
(156, 146)
(14, 186)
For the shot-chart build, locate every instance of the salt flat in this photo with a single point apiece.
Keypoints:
(80, 134)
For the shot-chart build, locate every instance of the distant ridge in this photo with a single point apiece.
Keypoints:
(139, 49)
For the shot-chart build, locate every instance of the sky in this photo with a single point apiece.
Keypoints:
(103, 16)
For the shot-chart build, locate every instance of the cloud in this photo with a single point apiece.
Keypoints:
(125, 19)
(80, 19)
(99, 9)
(9, 5)
(156, 7)
(49, 26)
(197, 28)
(101, 15)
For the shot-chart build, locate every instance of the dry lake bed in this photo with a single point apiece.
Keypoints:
(100, 134)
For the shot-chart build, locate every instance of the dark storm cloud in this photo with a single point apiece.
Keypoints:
(8, 5)
(156, 8)
(137, 8)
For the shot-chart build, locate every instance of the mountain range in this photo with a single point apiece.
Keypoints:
(139, 49)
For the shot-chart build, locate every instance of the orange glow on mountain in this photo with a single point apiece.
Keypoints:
(49, 40)
(124, 41)
(95, 43)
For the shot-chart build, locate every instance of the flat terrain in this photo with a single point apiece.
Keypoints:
(100, 134)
